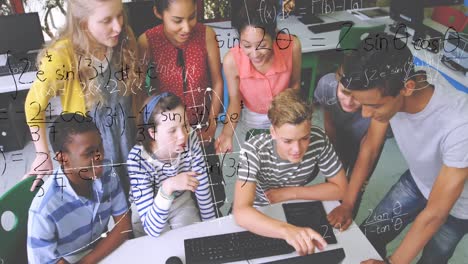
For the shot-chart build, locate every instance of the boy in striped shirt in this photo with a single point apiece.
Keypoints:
(275, 167)
(69, 221)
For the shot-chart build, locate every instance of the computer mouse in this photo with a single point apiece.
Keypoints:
(174, 260)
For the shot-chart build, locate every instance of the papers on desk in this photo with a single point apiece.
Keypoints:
(369, 13)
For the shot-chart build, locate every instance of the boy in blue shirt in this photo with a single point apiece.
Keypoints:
(71, 217)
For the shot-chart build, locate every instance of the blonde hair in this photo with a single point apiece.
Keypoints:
(78, 12)
(289, 107)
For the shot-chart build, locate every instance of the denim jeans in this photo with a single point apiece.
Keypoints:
(400, 206)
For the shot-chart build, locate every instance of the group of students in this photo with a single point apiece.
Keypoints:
(156, 164)
(428, 120)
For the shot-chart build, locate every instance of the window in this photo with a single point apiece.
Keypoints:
(51, 14)
(214, 10)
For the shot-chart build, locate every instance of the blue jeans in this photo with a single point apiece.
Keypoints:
(400, 206)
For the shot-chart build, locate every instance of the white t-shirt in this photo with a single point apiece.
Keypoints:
(436, 136)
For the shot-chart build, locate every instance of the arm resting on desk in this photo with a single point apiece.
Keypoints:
(333, 189)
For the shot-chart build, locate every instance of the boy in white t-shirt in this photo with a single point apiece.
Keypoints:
(430, 124)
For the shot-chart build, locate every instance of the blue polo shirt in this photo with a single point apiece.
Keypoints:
(62, 224)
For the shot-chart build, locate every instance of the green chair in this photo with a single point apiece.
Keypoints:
(310, 62)
(255, 131)
(351, 37)
(17, 201)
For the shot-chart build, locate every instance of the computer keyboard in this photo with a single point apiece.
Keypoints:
(310, 19)
(333, 256)
(19, 66)
(233, 247)
(332, 26)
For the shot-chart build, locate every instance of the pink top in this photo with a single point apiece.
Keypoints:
(258, 89)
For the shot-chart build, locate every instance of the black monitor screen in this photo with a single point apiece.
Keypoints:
(20, 33)
(409, 14)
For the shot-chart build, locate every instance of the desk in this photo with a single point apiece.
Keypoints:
(312, 43)
(157, 250)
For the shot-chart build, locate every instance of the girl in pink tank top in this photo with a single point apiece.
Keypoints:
(265, 63)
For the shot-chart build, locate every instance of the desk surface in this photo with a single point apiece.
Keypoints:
(158, 250)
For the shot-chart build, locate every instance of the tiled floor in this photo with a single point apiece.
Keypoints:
(389, 168)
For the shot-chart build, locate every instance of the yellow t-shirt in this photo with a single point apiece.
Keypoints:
(57, 76)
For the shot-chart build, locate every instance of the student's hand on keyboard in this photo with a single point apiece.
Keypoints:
(303, 239)
(223, 144)
(40, 167)
(183, 181)
(341, 217)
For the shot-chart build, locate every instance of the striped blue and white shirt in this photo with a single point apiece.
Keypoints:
(147, 174)
(62, 224)
(261, 164)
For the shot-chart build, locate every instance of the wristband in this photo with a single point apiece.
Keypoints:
(166, 196)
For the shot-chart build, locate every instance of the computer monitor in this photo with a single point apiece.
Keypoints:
(20, 33)
(410, 15)
(140, 16)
